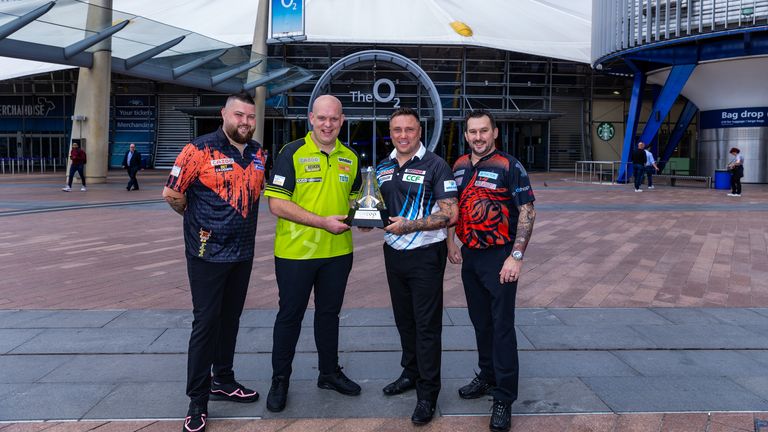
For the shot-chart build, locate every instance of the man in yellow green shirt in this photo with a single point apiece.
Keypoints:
(309, 191)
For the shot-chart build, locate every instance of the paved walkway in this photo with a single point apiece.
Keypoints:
(637, 312)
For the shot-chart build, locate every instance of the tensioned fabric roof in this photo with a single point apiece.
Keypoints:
(549, 28)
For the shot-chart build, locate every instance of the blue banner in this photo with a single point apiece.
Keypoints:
(287, 20)
(734, 117)
(134, 121)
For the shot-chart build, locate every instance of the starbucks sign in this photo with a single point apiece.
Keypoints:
(606, 131)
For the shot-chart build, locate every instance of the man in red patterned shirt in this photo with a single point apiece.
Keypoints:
(215, 184)
(495, 222)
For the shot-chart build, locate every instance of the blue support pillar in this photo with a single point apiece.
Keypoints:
(653, 145)
(686, 116)
(635, 103)
(678, 76)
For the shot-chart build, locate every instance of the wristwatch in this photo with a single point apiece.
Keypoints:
(517, 256)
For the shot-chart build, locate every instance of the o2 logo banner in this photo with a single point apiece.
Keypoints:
(287, 20)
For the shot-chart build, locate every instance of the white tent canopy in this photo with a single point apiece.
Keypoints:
(548, 28)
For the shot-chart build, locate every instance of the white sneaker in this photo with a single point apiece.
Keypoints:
(738, 195)
(638, 190)
(82, 189)
(731, 194)
(66, 189)
(651, 187)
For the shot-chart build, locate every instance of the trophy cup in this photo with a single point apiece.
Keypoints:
(368, 209)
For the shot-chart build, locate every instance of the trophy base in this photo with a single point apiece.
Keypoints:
(367, 218)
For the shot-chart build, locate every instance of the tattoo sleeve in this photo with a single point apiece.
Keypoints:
(177, 204)
(524, 227)
(442, 218)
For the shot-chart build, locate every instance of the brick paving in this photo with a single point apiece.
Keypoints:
(593, 246)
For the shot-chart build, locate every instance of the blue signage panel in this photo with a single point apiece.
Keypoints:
(287, 20)
(134, 121)
(734, 117)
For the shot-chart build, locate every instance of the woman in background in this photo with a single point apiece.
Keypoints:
(736, 168)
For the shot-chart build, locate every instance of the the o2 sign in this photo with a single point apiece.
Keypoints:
(383, 90)
(289, 4)
(387, 97)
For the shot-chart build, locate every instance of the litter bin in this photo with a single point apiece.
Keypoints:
(722, 179)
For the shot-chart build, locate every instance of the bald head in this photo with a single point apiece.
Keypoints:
(326, 119)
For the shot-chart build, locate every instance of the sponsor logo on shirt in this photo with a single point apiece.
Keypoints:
(309, 180)
(309, 160)
(459, 180)
(312, 168)
(458, 173)
(175, 171)
(345, 168)
(257, 164)
(522, 189)
(225, 161)
(204, 237)
(385, 178)
(278, 180)
(488, 174)
(343, 178)
(413, 178)
(523, 173)
(222, 168)
(450, 186)
(385, 172)
(415, 171)
(485, 184)
(345, 160)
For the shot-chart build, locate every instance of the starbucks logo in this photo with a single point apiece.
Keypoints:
(605, 131)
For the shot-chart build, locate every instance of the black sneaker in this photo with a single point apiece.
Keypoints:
(233, 392)
(278, 394)
(423, 413)
(195, 419)
(501, 416)
(479, 387)
(339, 382)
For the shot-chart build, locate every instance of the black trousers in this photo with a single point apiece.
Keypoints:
(295, 280)
(735, 183)
(132, 182)
(416, 288)
(218, 295)
(491, 307)
(76, 169)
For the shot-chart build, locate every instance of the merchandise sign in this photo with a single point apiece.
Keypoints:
(287, 20)
(734, 117)
(133, 121)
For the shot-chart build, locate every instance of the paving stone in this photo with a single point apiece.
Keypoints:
(175, 341)
(12, 338)
(535, 395)
(703, 336)
(607, 317)
(161, 400)
(370, 339)
(686, 315)
(561, 364)
(48, 319)
(121, 368)
(28, 368)
(669, 394)
(692, 363)
(559, 337)
(373, 317)
(153, 318)
(92, 341)
(737, 316)
(51, 401)
(536, 317)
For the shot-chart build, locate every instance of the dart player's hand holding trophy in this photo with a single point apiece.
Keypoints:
(368, 209)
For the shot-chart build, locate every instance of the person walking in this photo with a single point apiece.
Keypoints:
(132, 164)
(79, 159)
(650, 166)
(639, 159)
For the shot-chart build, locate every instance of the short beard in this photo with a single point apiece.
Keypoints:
(236, 136)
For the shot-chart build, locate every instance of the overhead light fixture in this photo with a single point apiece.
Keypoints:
(461, 28)
(616, 92)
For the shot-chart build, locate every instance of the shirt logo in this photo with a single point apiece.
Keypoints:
(309, 180)
(459, 180)
(413, 178)
(257, 164)
(312, 168)
(175, 171)
(385, 172)
(222, 168)
(415, 171)
(343, 178)
(450, 186)
(488, 174)
(278, 180)
(309, 160)
(345, 168)
(385, 178)
(523, 173)
(345, 160)
(458, 173)
(484, 184)
(225, 161)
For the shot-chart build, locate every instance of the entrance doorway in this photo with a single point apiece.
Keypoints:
(527, 141)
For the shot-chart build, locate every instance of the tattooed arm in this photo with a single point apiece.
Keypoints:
(177, 200)
(442, 218)
(510, 270)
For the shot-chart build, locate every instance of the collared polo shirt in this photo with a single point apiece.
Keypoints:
(321, 183)
(223, 189)
(412, 191)
(490, 193)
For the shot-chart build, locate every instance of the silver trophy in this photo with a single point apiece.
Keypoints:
(368, 209)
